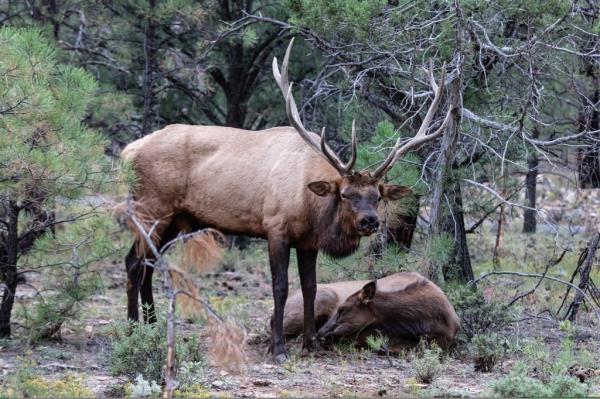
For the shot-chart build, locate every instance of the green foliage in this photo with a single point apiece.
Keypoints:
(43, 145)
(26, 382)
(138, 348)
(487, 350)
(477, 315)
(377, 342)
(425, 362)
(53, 167)
(142, 388)
(440, 248)
(352, 17)
(519, 385)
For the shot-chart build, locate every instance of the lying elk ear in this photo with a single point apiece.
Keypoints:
(322, 188)
(392, 192)
(368, 292)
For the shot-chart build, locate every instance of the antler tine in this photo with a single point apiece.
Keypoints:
(294, 117)
(344, 169)
(352, 160)
(421, 137)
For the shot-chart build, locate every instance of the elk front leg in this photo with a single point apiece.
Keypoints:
(279, 259)
(307, 261)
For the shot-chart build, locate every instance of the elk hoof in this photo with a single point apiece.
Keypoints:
(280, 359)
(309, 347)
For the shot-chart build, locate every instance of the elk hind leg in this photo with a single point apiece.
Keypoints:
(133, 266)
(279, 259)
(308, 280)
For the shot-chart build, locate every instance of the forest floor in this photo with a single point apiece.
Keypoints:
(244, 294)
(240, 289)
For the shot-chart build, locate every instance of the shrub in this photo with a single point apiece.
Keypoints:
(142, 349)
(426, 363)
(487, 350)
(26, 382)
(378, 343)
(143, 388)
(477, 316)
(519, 385)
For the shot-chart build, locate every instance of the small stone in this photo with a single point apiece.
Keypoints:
(217, 384)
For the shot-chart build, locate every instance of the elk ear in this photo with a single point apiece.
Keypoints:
(368, 292)
(323, 188)
(392, 192)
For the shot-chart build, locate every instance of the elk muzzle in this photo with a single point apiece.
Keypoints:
(368, 224)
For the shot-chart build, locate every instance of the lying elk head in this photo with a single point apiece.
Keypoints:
(359, 192)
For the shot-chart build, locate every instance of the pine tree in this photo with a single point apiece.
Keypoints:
(48, 160)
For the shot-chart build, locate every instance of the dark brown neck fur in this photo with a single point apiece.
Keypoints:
(335, 236)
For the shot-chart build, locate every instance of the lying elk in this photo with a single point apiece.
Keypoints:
(284, 184)
(404, 307)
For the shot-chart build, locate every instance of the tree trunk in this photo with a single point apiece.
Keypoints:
(459, 267)
(530, 216)
(150, 72)
(588, 159)
(442, 176)
(8, 263)
(584, 279)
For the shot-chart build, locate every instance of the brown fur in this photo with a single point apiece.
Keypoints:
(403, 306)
(198, 171)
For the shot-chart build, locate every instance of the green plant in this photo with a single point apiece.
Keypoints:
(519, 385)
(477, 315)
(377, 343)
(425, 363)
(52, 169)
(142, 349)
(487, 350)
(143, 388)
(190, 374)
(26, 382)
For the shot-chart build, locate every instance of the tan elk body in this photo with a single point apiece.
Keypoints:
(284, 184)
(404, 307)
(241, 182)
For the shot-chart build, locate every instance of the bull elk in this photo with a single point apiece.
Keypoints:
(284, 184)
(404, 307)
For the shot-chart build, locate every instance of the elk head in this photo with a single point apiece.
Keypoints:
(358, 192)
(353, 316)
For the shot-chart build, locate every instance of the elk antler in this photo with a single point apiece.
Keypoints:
(421, 137)
(294, 117)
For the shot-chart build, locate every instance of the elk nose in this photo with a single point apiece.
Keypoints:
(369, 223)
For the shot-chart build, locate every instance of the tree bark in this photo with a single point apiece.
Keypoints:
(459, 268)
(588, 159)
(8, 263)
(530, 216)
(586, 267)
(150, 72)
(442, 175)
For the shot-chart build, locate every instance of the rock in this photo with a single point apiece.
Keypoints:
(218, 384)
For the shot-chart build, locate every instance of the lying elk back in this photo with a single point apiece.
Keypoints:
(404, 307)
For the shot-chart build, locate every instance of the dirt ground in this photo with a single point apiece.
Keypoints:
(245, 289)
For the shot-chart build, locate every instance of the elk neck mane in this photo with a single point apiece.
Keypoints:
(334, 235)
